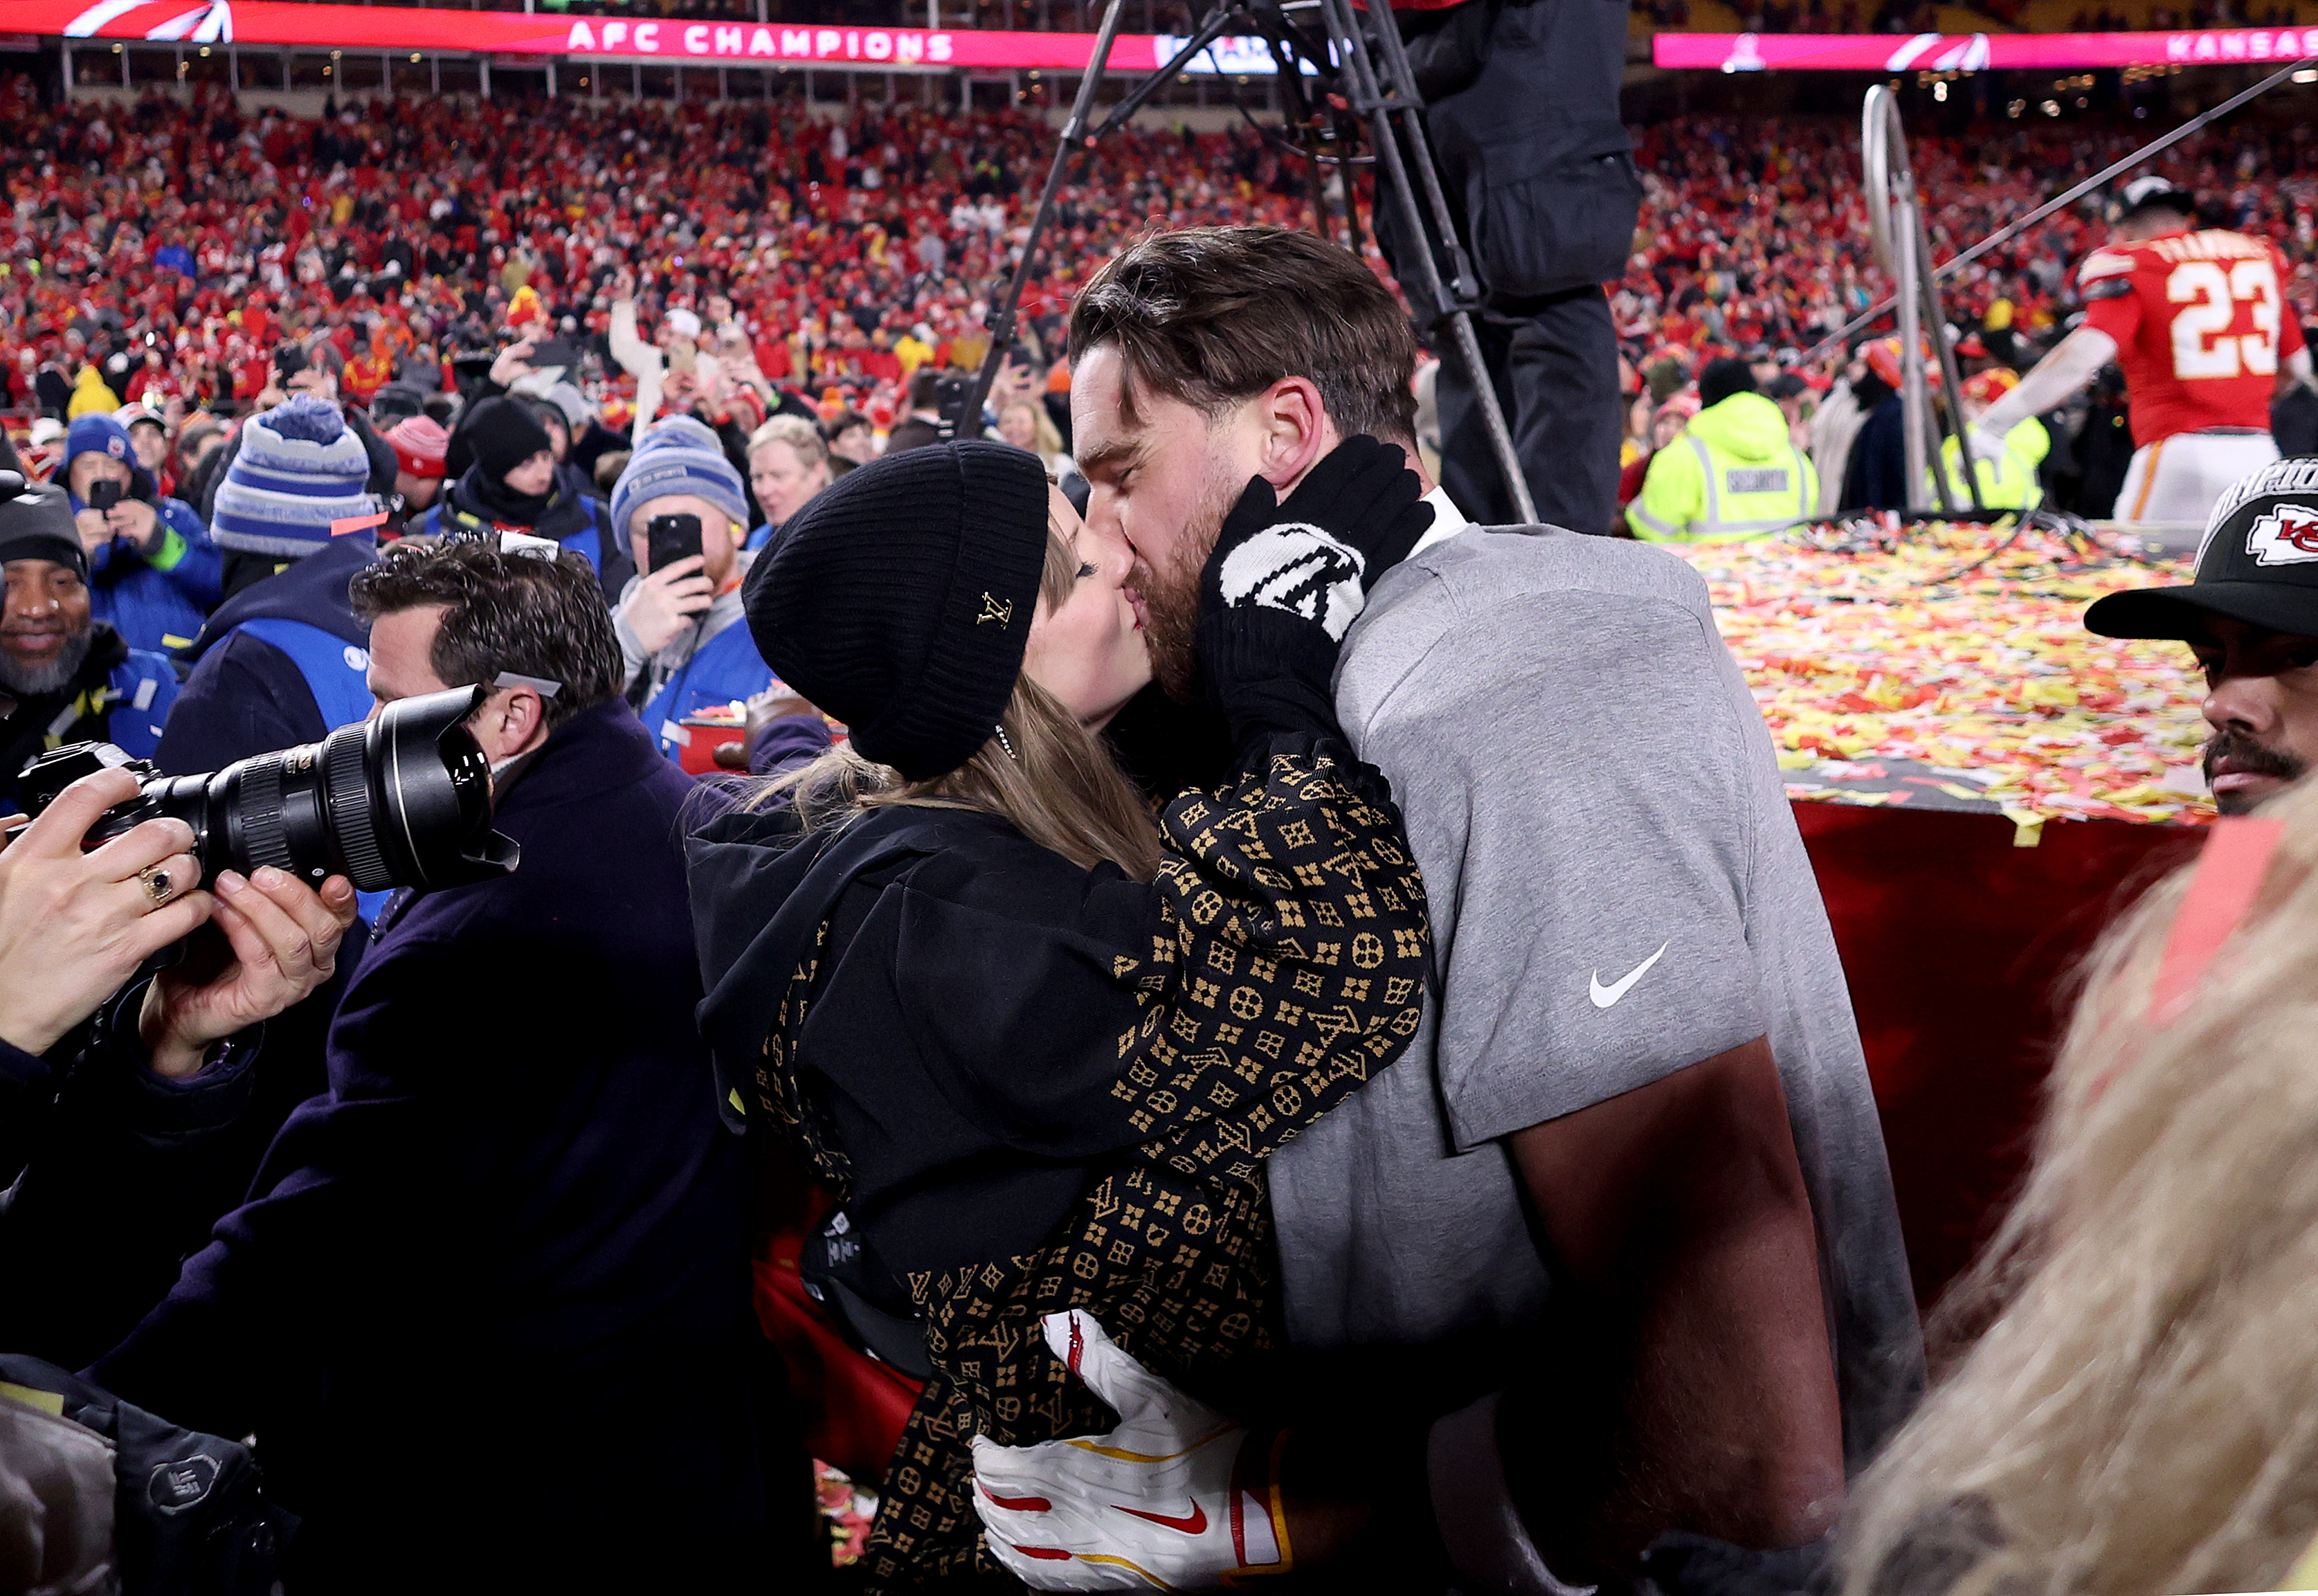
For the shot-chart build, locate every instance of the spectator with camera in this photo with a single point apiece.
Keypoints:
(282, 661)
(680, 624)
(65, 676)
(514, 1202)
(788, 463)
(153, 570)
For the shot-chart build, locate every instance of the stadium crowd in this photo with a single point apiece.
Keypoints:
(505, 404)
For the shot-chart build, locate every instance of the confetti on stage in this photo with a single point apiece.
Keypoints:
(1891, 673)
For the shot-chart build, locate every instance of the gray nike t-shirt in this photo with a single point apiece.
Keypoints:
(1618, 891)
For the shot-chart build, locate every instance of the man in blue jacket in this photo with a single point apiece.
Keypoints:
(65, 676)
(283, 660)
(154, 572)
(486, 1309)
(680, 630)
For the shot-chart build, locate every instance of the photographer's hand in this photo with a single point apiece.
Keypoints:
(665, 601)
(277, 940)
(74, 926)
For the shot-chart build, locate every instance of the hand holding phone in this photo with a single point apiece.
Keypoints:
(665, 601)
(103, 496)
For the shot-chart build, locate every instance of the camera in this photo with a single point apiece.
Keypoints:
(403, 799)
(952, 394)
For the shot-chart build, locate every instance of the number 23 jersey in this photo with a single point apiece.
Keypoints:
(2201, 324)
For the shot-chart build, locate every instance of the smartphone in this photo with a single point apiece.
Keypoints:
(103, 496)
(669, 539)
(683, 358)
(554, 352)
(289, 360)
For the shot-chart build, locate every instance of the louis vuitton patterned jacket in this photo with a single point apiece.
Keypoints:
(1037, 1087)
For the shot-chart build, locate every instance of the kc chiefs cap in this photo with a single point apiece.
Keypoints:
(2258, 564)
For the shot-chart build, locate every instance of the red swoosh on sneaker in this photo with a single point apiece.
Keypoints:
(1051, 1554)
(1020, 1504)
(1194, 1522)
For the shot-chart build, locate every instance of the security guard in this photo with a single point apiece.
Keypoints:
(1734, 472)
(2007, 482)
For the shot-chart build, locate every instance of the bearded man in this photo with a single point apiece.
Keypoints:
(65, 676)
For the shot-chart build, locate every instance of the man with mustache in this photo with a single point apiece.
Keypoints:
(65, 676)
(2251, 615)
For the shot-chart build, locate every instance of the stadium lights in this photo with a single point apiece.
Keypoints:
(2051, 108)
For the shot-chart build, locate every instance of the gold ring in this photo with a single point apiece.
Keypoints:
(157, 885)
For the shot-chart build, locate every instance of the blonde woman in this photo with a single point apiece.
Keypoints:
(2138, 1414)
(1037, 1041)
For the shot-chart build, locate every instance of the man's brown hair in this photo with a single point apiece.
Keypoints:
(1212, 316)
(502, 612)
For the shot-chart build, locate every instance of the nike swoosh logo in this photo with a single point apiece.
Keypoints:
(1603, 996)
(1195, 1522)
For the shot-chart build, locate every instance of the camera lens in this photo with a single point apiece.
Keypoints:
(403, 799)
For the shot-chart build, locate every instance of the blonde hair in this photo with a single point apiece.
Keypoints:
(1045, 440)
(2139, 1415)
(1060, 788)
(800, 435)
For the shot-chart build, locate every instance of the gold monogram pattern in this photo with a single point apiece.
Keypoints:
(1001, 610)
(1287, 967)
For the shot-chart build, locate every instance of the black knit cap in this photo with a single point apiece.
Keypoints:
(504, 434)
(900, 596)
(38, 524)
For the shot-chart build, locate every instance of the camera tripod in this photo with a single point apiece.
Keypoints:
(1361, 78)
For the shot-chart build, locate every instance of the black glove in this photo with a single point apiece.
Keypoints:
(1355, 517)
(1286, 582)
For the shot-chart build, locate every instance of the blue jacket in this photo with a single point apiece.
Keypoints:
(518, 1206)
(282, 662)
(157, 599)
(725, 669)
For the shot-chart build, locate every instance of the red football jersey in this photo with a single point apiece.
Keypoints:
(2201, 323)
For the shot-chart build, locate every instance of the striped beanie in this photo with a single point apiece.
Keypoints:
(300, 468)
(678, 455)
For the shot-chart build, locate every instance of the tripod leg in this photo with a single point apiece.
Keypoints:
(1493, 417)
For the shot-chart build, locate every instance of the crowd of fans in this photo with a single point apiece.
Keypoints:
(157, 255)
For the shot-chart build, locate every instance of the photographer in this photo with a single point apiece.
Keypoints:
(680, 640)
(514, 1199)
(103, 1123)
(64, 674)
(155, 571)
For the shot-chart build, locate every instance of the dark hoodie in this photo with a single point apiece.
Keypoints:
(247, 697)
(1036, 1086)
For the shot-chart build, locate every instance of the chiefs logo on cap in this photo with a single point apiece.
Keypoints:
(2287, 534)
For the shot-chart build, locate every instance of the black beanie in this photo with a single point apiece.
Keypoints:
(1722, 378)
(900, 596)
(38, 524)
(504, 434)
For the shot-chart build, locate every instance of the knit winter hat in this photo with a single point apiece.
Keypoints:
(92, 434)
(504, 434)
(38, 524)
(900, 599)
(419, 443)
(677, 455)
(300, 469)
